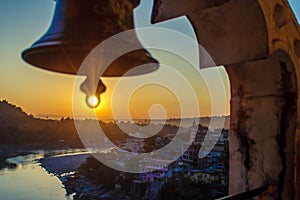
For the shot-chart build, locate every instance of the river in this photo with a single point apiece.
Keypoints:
(29, 181)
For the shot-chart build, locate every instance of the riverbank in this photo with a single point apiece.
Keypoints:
(64, 166)
(8, 151)
(24, 178)
(59, 163)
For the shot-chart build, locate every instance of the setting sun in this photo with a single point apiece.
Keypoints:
(93, 101)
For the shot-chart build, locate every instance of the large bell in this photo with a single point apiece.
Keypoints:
(80, 25)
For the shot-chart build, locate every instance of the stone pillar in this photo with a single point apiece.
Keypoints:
(263, 124)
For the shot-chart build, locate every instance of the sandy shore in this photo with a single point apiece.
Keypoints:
(61, 164)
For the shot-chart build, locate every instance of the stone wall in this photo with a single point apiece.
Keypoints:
(258, 41)
(263, 125)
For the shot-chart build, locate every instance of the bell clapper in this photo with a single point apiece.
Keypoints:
(92, 94)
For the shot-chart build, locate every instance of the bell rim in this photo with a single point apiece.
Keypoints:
(38, 49)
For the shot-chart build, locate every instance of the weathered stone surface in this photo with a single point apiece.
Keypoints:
(264, 118)
(237, 172)
(297, 160)
(262, 123)
(271, 160)
(232, 33)
(162, 11)
(255, 179)
(259, 78)
(258, 42)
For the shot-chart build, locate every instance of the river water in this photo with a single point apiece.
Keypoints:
(29, 181)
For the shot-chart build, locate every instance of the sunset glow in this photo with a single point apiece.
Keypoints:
(93, 101)
(44, 93)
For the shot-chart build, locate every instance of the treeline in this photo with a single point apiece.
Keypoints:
(19, 128)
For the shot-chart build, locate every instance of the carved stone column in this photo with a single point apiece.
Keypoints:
(263, 125)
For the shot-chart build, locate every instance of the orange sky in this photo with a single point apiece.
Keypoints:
(41, 92)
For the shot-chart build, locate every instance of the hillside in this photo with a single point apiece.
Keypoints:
(19, 128)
